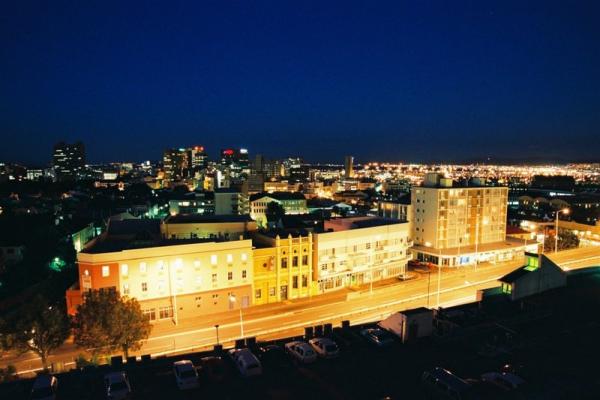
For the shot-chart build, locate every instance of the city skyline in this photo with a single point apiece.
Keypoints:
(391, 82)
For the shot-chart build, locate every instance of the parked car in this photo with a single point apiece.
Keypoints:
(324, 347)
(301, 351)
(246, 362)
(186, 375)
(214, 368)
(44, 387)
(377, 336)
(505, 380)
(441, 383)
(273, 356)
(117, 386)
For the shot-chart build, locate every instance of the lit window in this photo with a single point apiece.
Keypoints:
(142, 267)
(213, 259)
(229, 258)
(178, 264)
(124, 269)
(197, 263)
(198, 281)
(86, 272)
(179, 283)
(244, 257)
(161, 285)
(125, 289)
(105, 271)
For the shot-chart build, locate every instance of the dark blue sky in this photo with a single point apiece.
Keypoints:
(398, 80)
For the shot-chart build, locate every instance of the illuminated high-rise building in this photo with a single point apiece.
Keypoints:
(68, 161)
(176, 163)
(349, 167)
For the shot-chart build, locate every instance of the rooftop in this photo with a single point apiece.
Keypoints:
(282, 196)
(207, 219)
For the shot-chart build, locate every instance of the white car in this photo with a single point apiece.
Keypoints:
(324, 347)
(246, 362)
(44, 388)
(185, 374)
(117, 386)
(301, 351)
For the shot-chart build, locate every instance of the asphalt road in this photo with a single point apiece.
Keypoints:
(456, 286)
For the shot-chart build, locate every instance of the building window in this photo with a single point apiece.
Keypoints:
(142, 268)
(244, 257)
(304, 281)
(125, 289)
(304, 260)
(230, 276)
(150, 313)
(178, 264)
(165, 312)
(198, 301)
(294, 282)
(198, 281)
(258, 293)
(160, 265)
(215, 298)
(244, 274)
(213, 259)
(161, 285)
(144, 286)
(124, 269)
(229, 259)
(197, 263)
(272, 291)
(284, 263)
(105, 271)
(295, 261)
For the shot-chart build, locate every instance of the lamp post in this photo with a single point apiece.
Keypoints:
(439, 278)
(233, 300)
(564, 211)
(217, 328)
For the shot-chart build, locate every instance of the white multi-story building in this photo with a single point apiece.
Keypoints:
(356, 251)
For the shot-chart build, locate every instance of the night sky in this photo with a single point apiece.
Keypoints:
(396, 81)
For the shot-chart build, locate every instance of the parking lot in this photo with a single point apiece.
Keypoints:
(550, 342)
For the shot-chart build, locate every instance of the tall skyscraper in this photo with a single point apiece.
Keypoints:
(176, 163)
(349, 167)
(68, 161)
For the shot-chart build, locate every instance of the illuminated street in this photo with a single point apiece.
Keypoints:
(289, 319)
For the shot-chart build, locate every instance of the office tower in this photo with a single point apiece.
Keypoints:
(68, 161)
(176, 163)
(198, 157)
(349, 167)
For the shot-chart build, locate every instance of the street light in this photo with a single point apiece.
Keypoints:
(233, 300)
(564, 211)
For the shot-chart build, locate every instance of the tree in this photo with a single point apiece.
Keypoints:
(39, 327)
(274, 211)
(566, 240)
(106, 322)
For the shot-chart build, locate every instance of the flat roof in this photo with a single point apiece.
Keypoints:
(208, 219)
(112, 245)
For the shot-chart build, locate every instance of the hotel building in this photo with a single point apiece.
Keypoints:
(453, 226)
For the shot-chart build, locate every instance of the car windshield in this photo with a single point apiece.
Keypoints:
(331, 347)
(41, 393)
(188, 373)
(118, 386)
